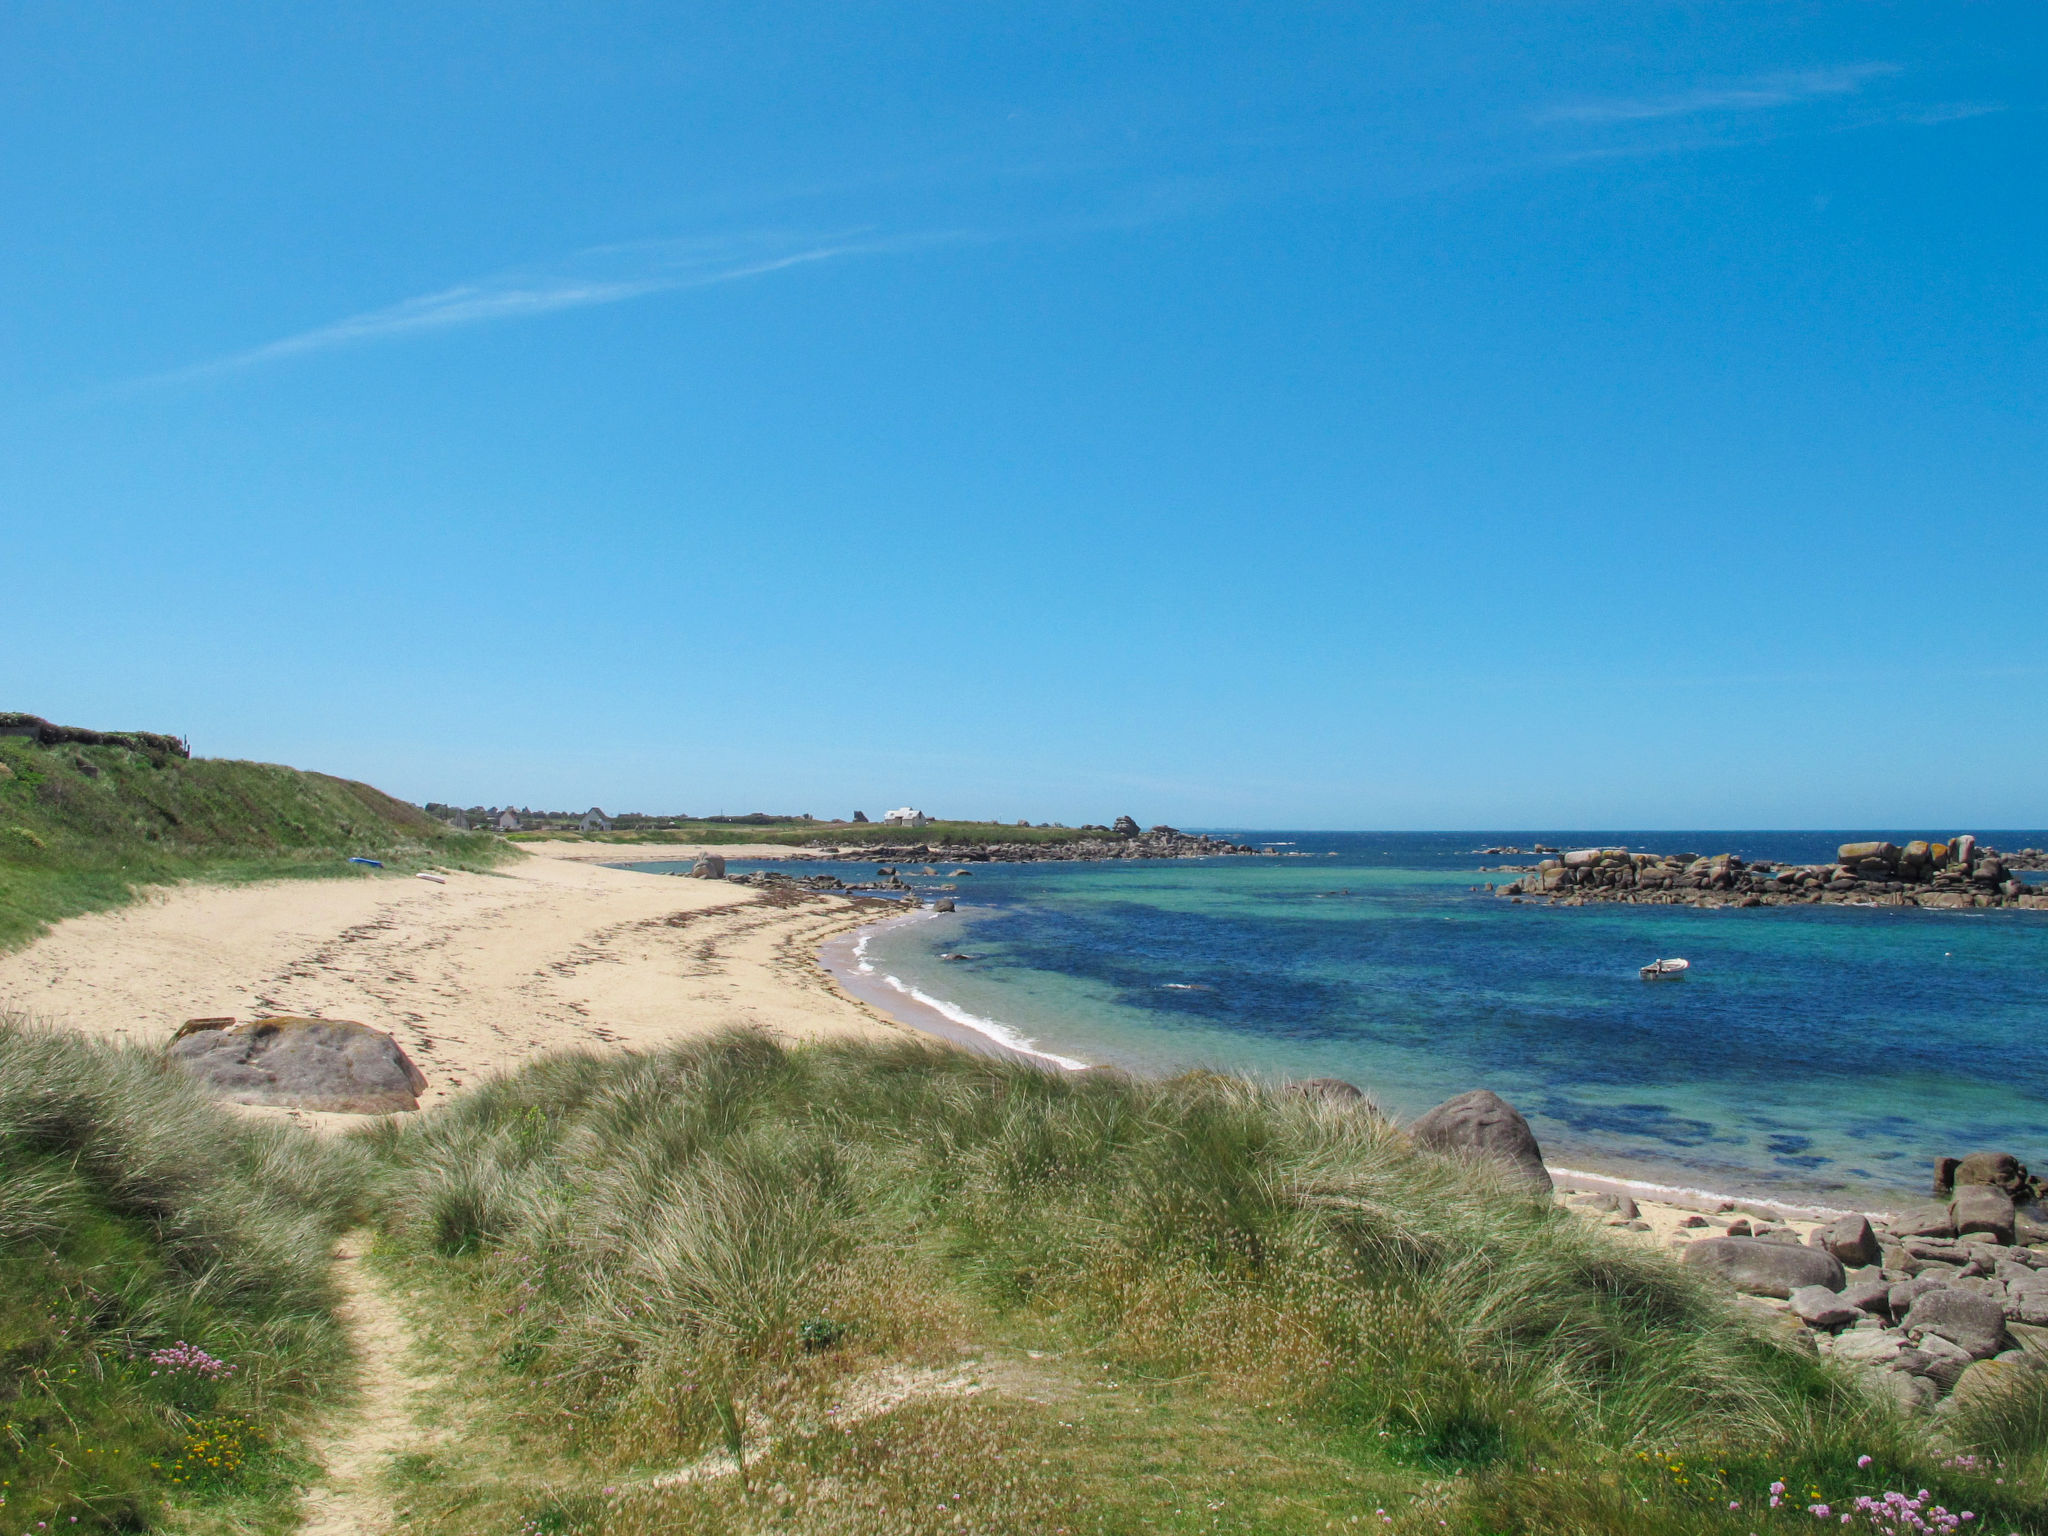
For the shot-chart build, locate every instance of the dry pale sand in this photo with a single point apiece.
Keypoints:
(471, 977)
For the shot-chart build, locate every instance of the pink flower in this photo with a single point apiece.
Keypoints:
(1862, 1461)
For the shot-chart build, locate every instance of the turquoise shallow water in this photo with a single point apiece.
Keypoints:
(1827, 1052)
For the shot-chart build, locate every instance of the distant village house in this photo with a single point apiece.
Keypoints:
(594, 820)
(509, 821)
(906, 817)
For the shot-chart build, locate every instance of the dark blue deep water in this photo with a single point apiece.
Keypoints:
(1820, 1051)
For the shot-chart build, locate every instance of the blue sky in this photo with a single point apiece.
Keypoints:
(1430, 416)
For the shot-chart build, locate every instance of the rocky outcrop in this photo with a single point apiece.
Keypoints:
(1483, 1124)
(1952, 1301)
(710, 867)
(334, 1065)
(1954, 874)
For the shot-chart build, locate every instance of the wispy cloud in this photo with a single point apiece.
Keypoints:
(610, 274)
(1759, 93)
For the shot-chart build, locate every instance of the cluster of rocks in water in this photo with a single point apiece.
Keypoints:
(1941, 1300)
(1954, 874)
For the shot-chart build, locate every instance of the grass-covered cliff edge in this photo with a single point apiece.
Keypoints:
(84, 824)
(732, 1287)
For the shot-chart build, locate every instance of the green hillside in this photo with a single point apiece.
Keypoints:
(84, 824)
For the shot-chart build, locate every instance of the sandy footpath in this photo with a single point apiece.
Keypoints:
(471, 977)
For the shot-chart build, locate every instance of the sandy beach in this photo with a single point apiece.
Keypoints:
(471, 977)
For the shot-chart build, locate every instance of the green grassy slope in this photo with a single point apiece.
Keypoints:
(81, 827)
(138, 1219)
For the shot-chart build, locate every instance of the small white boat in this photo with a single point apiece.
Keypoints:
(1665, 970)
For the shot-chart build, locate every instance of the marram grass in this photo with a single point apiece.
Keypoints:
(734, 1246)
(165, 1312)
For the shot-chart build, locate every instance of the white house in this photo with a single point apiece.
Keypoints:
(594, 820)
(509, 821)
(906, 817)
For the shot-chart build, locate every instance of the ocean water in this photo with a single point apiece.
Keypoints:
(1826, 1053)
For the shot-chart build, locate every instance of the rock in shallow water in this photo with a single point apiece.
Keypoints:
(334, 1065)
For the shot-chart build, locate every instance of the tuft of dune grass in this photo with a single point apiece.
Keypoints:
(136, 1214)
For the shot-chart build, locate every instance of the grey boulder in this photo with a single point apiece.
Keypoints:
(322, 1064)
(1912, 1393)
(1851, 1240)
(1333, 1090)
(1974, 1324)
(1984, 1208)
(710, 867)
(1929, 1218)
(1766, 1268)
(1819, 1307)
(1875, 1346)
(1483, 1124)
(1872, 1296)
(1937, 1359)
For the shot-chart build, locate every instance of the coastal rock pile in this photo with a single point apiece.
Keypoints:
(1158, 843)
(1938, 1301)
(1957, 873)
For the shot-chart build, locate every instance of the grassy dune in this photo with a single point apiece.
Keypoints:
(82, 827)
(165, 1319)
(867, 1289)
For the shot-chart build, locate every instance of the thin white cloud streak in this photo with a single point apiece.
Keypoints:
(1760, 94)
(601, 275)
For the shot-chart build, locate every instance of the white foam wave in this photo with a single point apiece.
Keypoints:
(1002, 1034)
(1678, 1194)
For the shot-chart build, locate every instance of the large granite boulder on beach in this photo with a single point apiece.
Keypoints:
(710, 867)
(1973, 1323)
(334, 1065)
(1981, 1208)
(1851, 1240)
(1483, 1124)
(1765, 1268)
